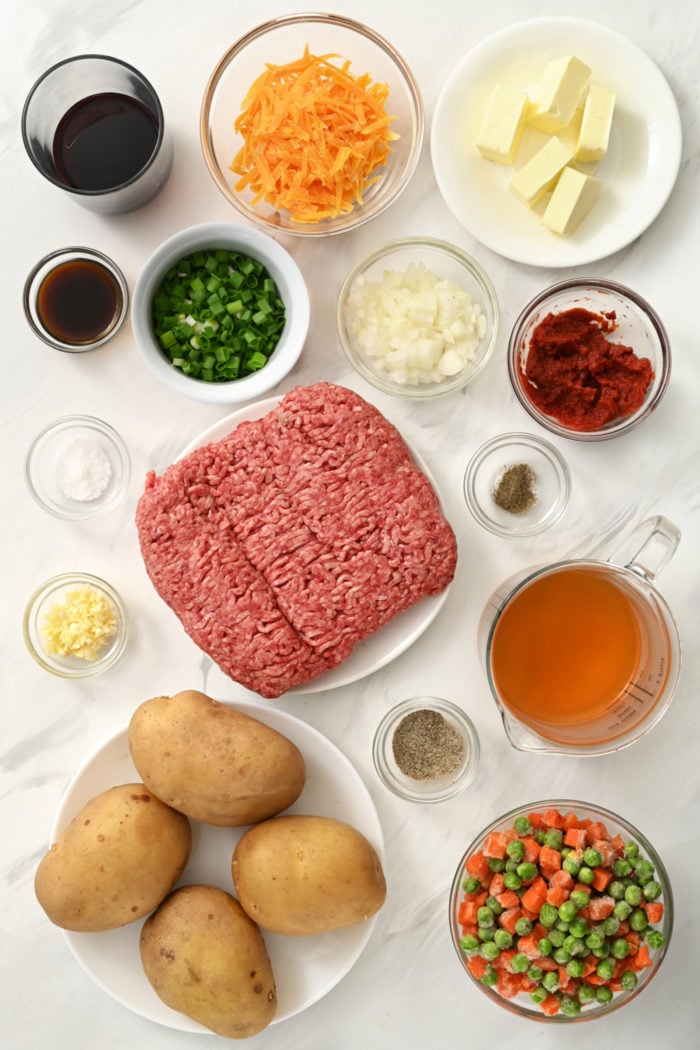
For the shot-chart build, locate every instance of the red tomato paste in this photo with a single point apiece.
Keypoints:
(578, 376)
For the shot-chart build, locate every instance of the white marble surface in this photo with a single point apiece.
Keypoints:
(407, 990)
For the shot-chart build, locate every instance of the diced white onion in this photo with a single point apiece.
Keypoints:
(414, 326)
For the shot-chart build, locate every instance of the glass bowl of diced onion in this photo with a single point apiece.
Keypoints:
(418, 317)
(271, 134)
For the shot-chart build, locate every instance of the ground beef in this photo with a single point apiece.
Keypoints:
(286, 543)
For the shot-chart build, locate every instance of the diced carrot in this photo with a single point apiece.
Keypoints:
(600, 908)
(477, 966)
(508, 918)
(531, 915)
(633, 938)
(467, 912)
(590, 964)
(654, 910)
(528, 946)
(508, 984)
(469, 928)
(549, 861)
(495, 845)
(552, 818)
(535, 819)
(314, 135)
(535, 895)
(597, 830)
(582, 887)
(496, 885)
(602, 877)
(618, 844)
(505, 958)
(562, 878)
(571, 823)
(532, 848)
(575, 837)
(556, 895)
(508, 899)
(550, 1005)
(606, 850)
(642, 959)
(477, 866)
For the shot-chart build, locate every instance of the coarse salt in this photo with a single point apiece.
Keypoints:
(84, 470)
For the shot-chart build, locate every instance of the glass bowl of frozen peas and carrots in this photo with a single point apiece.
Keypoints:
(418, 317)
(271, 136)
(589, 359)
(220, 313)
(561, 911)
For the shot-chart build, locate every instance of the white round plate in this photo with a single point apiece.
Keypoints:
(392, 639)
(305, 968)
(637, 173)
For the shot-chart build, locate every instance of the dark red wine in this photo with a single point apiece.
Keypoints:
(79, 302)
(103, 141)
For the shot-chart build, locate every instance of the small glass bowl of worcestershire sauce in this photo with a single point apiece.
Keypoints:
(76, 299)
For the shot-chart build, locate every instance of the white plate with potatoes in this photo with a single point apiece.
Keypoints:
(637, 173)
(305, 968)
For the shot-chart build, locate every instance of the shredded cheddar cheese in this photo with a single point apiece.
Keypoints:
(314, 136)
(79, 625)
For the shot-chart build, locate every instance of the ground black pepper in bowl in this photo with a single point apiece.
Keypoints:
(426, 749)
(515, 490)
(426, 746)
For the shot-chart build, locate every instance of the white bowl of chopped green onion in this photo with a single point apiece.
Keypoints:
(220, 313)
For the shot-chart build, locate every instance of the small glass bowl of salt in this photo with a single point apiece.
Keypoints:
(77, 467)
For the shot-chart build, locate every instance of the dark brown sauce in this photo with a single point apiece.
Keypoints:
(79, 302)
(104, 141)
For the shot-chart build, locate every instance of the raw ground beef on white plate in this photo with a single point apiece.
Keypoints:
(286, 543)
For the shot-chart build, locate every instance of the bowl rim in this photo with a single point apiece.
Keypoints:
(424, 391)
(30, 293)
(357, 217)
(382, 739)
(97, 507)
(550, 452)
(616, 428)
(94, 667)
(620, 1000)
(263, 247)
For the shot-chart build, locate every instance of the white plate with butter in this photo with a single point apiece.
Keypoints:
(637, 172)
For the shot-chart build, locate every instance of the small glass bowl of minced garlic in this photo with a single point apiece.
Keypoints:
(75, 625)
(426, 749)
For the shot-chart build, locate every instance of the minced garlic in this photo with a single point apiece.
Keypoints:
(79, 625)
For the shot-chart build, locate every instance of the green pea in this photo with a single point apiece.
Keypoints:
(471, 885)
(512, 881)
(628, 980)
(551, 980)
(539, 837)
(621, 910)
(561, 956)
(548, 915)
(569, 1006)
(571, 864)
(527, 871)
(523, 926)
(522, 825)
(638, 920)
(652, 890)
(539, 994)
(486, 933)
(631, 849)
(580, 898)
(586, 993)
(503, 939)
(490, 976)
(586, 875)
(611, 926)
(595, 939)
(485, 917)
(574, 946)
(575, 968)
(490, 950)
(655, 938)
(605, 969)
(557, 937)
(515, 849)
(592, 857)
(495, 906)
(545, 946)
(620, 948)
(553, 837)
(603, 952)
(535, 973)
(519, 963)
(644, 871)
(469, 943)
(578, 928)
(496, 864)
(622, 867)
(603, 994)
(616, 889)
(567, 911)
(633, 895)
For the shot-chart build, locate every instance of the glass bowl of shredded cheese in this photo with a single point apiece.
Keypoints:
(75, 625)
(418, 317)
(77, 467)
(311, 124)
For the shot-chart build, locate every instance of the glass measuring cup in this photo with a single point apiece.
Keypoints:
(583, 656)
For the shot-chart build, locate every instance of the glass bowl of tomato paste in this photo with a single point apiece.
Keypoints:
(561, 911)
(589, 359)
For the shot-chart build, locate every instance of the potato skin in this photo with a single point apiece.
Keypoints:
(115, 862)
(297, 875)
(206, 959)
(213, 763)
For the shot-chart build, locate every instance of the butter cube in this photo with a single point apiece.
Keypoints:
(558, 93)
(596, 122)
(541, 171)
(503, 125)
(571, 201)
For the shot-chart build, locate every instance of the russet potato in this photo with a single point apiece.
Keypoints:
(298, 875)
(213, 763)
(206, 959)
(115, 862)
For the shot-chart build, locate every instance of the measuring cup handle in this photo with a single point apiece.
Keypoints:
(648, 548)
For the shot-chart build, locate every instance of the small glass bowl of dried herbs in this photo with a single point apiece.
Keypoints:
(426, 749)
(517, 485)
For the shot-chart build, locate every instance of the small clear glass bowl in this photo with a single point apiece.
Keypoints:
(282, 40)
(445, 261)
(551, 486)
(53, 593)
(47, 467)
(434, 789)
(47, 265)
(638, 326)
(521, 1004)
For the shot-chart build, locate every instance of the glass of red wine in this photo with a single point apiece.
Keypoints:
(93, 126)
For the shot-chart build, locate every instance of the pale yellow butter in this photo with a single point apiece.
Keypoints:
(596, 123)
(503, 125)
(571, 201)
(559, 92)
(541, 171)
